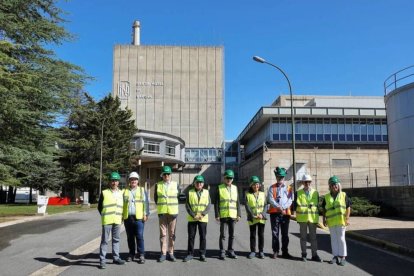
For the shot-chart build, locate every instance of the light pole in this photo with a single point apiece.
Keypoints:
(292, 115)
(100, 168)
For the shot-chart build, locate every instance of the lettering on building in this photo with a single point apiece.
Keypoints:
(150, 83)
(123, 90)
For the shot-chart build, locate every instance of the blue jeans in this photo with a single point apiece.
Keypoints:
(280, 223)
(135, 235)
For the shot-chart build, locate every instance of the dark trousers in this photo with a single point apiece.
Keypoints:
(260, 233)
(279, 223)
(226, 223)
(135, 235)
(192, 230)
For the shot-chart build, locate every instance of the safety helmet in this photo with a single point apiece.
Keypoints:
(198, 178)
(229, 174)
(334, 180)
(280, 172)
(306, 178)
(166, 170)
(133, 175)
(254, 179)
(115, 176)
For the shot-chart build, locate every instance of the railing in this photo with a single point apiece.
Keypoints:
(398, 79)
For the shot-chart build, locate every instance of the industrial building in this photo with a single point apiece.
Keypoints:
(335, 135)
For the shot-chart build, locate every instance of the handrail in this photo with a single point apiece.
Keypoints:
(395, 79)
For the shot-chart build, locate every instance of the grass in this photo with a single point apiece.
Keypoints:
(12, 210)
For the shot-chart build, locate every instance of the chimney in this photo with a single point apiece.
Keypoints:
(136, 33)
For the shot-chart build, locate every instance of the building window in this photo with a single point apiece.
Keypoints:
(341, 163)
(170, 150)
(201, 155)
(152, 147)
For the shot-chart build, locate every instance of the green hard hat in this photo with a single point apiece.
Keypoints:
(198, 178)
(333, 180)
(229, 174)
(280, 172)
(115, 176)
(254, 179)
(166, 170)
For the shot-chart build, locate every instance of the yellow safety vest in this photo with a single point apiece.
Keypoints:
(307, 207)
(139, 201)
(198, 205)
(335, 209)
(228, 201)
(167, 202)
(257, 206)
(112, 207)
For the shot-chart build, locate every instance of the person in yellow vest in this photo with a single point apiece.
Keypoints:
(227, 212)
(110, 207)
(135, 214)
(307, 215)
(166, 198)
(256, 216)
(197, 206)
(280, 197)
(337, 209)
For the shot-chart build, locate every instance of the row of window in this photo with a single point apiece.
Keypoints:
(153, 147)
(202, 155)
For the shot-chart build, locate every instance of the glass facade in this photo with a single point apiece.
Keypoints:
(203, 155)
(331, 130)
(152, 147)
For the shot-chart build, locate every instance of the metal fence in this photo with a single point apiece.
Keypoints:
(364, 179)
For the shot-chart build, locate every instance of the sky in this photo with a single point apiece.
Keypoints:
(326, 47)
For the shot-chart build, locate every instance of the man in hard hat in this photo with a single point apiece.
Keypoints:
(197, 206)
(166, 198)
(280, 197)
(227, 212)
(337, 210)
(135, 214)
(110, 207)
(307, 215)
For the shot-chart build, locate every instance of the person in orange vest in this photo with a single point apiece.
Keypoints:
(280, 197)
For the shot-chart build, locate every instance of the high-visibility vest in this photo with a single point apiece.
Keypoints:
(139, 201)
(228, 201)
(257, 206)
(335, 209)
(307, 206)
(112, 207)
(167, 202)
(198, 205)
(275, 210)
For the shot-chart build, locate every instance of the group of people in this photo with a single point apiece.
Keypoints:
(131, 206)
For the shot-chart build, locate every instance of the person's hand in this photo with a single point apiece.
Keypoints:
(218, 219)
(238, 218)
(259, 216)
(347, 222)
(324, 221)
(145, 218)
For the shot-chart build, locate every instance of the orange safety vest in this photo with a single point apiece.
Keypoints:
(275, 210)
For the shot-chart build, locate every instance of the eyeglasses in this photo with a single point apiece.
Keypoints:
(166, 174)
(228, 178)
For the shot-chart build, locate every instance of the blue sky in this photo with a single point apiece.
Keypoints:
(326, 47)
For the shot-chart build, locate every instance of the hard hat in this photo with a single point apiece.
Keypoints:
(334, 180)
(133, 175)
(198, 178)
(166, 170)
(115, 176)
(229, 174)
(306, 178)
(280, 172)
(254, 179)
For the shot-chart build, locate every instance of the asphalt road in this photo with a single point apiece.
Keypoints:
(27, 247)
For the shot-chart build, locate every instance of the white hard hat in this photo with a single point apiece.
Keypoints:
(306, 177)
(134, 175)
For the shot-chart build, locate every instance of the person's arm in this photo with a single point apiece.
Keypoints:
(156, 194)
(324, 211)
(146, 202)
(348, 210)
(295, 202)
(187, 205)
(100, 203)
(249, 211)
(207, 209)
(289, 198)
(270, 198)
(216, 205)
(238, 207)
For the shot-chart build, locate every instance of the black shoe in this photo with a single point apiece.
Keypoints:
(316, 258)
(141, 260)
(251, 255)
(102, 266)
(188, 258)
(203, 258)
(232, 255)
(172, 257)
(334, 260)
(261, 255)
(222, 256)
(286, 255)
(119, 262)
(129, 259)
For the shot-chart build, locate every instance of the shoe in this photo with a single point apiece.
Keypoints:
(141, 260)
(203, 258)
(334, 260)
(304, 259)
(162, 258)
(274, 255)
(316, 258)
(232, 255)
(261, 255)
(188, 258)
(342, 262)
(172, 257)
(286, 255)
(251, 255)
(222, 256)
(119, 262)
(102, 266)
(129, 259)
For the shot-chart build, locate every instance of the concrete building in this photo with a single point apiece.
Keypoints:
(335, 135)
(176, 95)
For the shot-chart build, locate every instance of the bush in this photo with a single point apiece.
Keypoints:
(364, 208)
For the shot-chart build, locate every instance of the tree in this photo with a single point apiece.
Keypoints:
(36, 87)
(82, 134)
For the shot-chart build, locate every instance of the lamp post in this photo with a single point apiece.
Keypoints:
(292, 115)
(100, 168)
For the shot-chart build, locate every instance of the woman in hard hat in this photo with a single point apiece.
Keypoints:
(337, 209)
(307, 215)
(256, 216)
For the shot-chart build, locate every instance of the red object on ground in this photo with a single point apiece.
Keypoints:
(59, 200)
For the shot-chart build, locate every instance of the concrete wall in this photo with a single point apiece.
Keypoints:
(401, 198)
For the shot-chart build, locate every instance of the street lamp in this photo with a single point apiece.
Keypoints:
(292, 115)
(100, 169)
